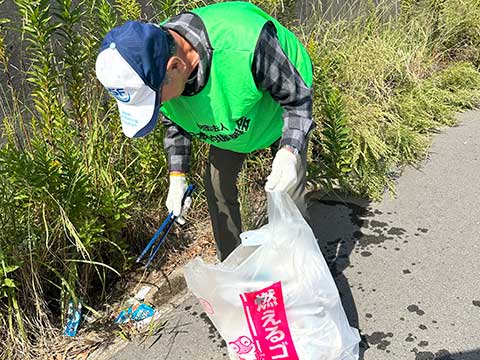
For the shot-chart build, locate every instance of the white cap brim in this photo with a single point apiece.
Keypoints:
(140, 117)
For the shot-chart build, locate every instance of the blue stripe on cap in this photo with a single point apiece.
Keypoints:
(153, 121)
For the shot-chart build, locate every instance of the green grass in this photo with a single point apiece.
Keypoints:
(78, 197)
(383, 87)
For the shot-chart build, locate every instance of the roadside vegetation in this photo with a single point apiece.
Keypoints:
(78, 198)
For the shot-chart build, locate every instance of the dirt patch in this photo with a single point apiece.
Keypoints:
(98, 332)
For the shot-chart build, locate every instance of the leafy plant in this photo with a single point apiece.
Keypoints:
(128, 9)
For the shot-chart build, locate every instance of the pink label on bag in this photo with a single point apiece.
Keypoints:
(267, 321)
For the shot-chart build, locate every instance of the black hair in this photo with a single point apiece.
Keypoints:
(172, 46)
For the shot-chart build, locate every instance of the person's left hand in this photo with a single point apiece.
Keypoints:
(284, 171)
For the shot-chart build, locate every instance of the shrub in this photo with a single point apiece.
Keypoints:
(394, 85)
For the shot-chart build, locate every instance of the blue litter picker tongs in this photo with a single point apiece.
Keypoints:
(164, 228)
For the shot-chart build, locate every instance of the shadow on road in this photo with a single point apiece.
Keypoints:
(337, 224)
(445, 355)
(467, 355)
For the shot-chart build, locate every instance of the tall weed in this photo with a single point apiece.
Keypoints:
(389, 78)
(72, 185)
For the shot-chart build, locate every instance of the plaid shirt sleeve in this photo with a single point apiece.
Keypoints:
(177, 144)
(273, 72)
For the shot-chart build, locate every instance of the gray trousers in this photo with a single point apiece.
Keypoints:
(222, 195)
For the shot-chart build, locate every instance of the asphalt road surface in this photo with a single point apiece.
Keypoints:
(407, 268)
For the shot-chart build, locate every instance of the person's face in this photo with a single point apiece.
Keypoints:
(175, 79)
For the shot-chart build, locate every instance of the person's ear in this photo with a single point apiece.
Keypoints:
(176, 64)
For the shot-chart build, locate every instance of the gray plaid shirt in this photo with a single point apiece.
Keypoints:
(272, 71)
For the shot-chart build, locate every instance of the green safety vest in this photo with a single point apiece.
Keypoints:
(230, 112)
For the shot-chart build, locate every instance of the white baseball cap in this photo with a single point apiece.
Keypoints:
(131, 65)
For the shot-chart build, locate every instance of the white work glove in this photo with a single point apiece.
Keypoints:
(176, 190)
(284, 171)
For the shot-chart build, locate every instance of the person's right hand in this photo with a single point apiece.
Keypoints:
(176, 191)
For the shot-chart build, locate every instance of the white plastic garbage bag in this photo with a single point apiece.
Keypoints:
(274, 297)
